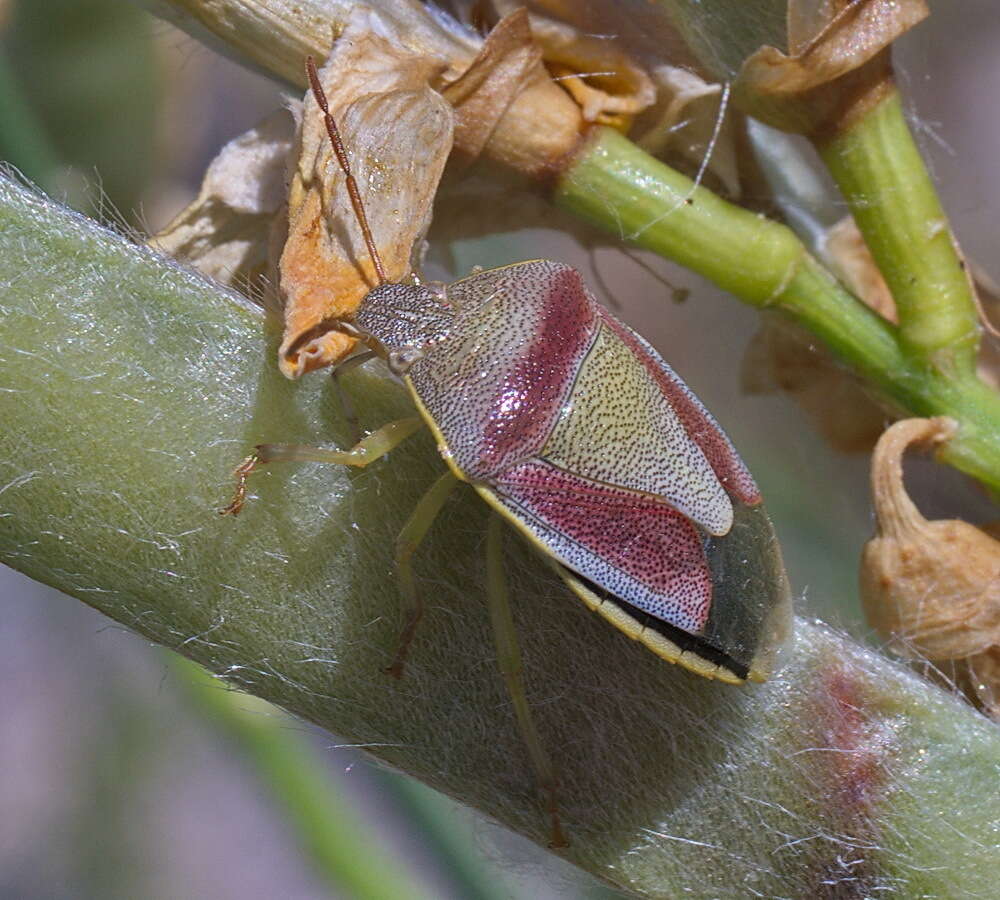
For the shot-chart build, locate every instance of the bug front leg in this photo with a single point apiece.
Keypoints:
(366, 451)
(346, 406)
(409, 539)
(509, 660)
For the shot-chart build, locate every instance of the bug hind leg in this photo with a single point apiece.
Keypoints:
(409, 539)
(509, 660)
(365, 452)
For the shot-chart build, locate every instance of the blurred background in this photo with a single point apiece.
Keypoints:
(118, 777)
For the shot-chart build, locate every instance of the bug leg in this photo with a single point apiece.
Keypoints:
(346, 406)
(366, 451)
(409, 539)
(509, 659)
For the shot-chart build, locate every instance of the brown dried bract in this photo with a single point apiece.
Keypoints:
(847, 254)
(605, 79)
(481, 95)
(224, 231)
(931, 588)
(628, 67)
(835, 61)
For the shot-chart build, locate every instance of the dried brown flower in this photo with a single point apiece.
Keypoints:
(931, 588)
(222, 231)
(837, 53)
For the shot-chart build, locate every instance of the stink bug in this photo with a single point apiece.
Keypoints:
(574, 429)
(576, 432)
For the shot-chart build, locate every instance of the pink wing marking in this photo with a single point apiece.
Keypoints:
(697, 421)
(634, 546)
(534, 387)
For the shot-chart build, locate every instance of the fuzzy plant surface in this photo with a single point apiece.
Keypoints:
(129, 389)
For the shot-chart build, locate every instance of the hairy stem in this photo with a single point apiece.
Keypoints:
(131, 388)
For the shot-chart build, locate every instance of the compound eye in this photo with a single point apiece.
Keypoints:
(439, 291)
(399, 361)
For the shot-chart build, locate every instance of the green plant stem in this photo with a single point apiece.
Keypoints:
(23, 140)
(342, 849)
(454, 842)
(130, 390)
(882, 175)
(617, 186)
(277, 35)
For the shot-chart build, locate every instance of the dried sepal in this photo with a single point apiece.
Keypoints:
(784, 357)
(930, 588)
(506, 106)
(605, 79)
(609, 86)
(398, 133)
(835, 61)
(482, 94)
(628, 70)
(227, 230)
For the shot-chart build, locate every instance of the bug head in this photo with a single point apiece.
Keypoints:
(400, 321)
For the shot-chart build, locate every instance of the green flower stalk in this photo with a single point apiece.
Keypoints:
(883, 177)
(615, 185)
(826, 72)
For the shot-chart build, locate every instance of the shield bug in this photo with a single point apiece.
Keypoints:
(574, 429)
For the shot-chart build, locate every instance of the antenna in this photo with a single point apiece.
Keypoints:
(352, 185)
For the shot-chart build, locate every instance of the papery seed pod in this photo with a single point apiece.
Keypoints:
(931, 588)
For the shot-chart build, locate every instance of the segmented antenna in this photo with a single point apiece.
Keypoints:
(352, 185)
